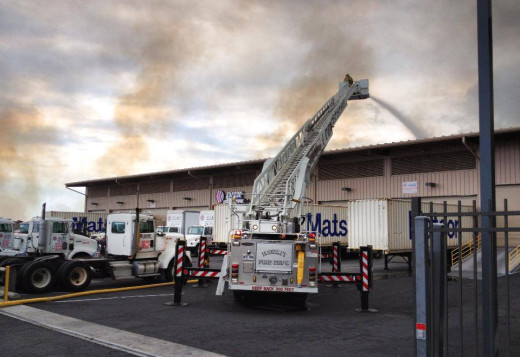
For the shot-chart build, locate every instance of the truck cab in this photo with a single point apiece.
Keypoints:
(194, 234)
(6, 233)
(122, 239)
(54, 235)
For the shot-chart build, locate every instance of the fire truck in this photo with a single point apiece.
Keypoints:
(268, 250)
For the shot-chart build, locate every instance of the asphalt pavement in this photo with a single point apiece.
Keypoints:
(330, 325)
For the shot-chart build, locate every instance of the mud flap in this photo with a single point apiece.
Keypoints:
(223, 275)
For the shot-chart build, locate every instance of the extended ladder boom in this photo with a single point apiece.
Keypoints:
(281, 184)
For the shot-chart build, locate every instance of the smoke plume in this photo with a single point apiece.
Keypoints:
(26, 148)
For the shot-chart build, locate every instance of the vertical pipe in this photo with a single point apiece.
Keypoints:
(422, 289)
(475, 274)
(508, 303)
(487, 177)
(445, 236)
(461, 309)
(416, 211)
(439, 290)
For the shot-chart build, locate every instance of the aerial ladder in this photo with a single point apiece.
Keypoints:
(278, 190)
(267, 250)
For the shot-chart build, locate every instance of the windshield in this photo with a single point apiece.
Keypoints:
(146, 227)
(24, 228)
(160, 229)
(36, 227)
(196, 230)
(6, 227)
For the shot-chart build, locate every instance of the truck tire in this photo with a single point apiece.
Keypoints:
(75, 275)
(38, 277)
(16, 262)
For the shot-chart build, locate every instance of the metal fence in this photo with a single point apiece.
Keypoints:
(451, 318)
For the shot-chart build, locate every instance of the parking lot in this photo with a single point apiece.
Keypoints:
(329, 326)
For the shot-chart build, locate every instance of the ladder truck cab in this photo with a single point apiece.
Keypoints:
(268, 250)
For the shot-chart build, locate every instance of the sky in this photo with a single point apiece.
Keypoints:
(95, 89)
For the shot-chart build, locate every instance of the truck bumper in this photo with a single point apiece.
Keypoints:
(277, 289)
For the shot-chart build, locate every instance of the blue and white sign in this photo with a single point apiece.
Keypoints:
(334, 227)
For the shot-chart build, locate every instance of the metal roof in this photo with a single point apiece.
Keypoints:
(260, 161)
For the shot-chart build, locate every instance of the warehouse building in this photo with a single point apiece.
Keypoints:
(437, 169)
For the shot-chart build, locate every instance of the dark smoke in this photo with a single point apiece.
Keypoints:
(409, 124)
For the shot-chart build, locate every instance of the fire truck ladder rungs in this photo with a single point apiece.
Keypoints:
(280, 180)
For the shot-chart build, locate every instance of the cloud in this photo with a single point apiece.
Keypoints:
(127, 87)
(27, 147)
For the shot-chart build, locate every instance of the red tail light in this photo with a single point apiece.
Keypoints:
(312, 273)
(234, 273)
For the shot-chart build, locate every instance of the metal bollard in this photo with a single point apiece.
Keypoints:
(178, 279)
(202, 261)
(366, 264)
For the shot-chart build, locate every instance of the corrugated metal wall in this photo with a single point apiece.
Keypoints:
(507, 162)
(447, 183)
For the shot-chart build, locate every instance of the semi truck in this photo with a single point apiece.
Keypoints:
(58, 232)
(182, 219)
(268, 250)
(203, 229)
(130, 251)
(6, 234)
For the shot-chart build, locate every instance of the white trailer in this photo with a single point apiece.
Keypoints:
(386, 224)
(86, 223)
(182, 219)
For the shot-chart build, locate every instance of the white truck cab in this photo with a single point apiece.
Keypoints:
(54, 235)
(194, 235)
(6, 233)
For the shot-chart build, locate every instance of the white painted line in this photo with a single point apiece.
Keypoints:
(108, 298)
(121, 340)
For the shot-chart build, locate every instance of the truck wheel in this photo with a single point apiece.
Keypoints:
(75, 275)
(170, 271)
(16, 262)
(38, 277)
(169, 274)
